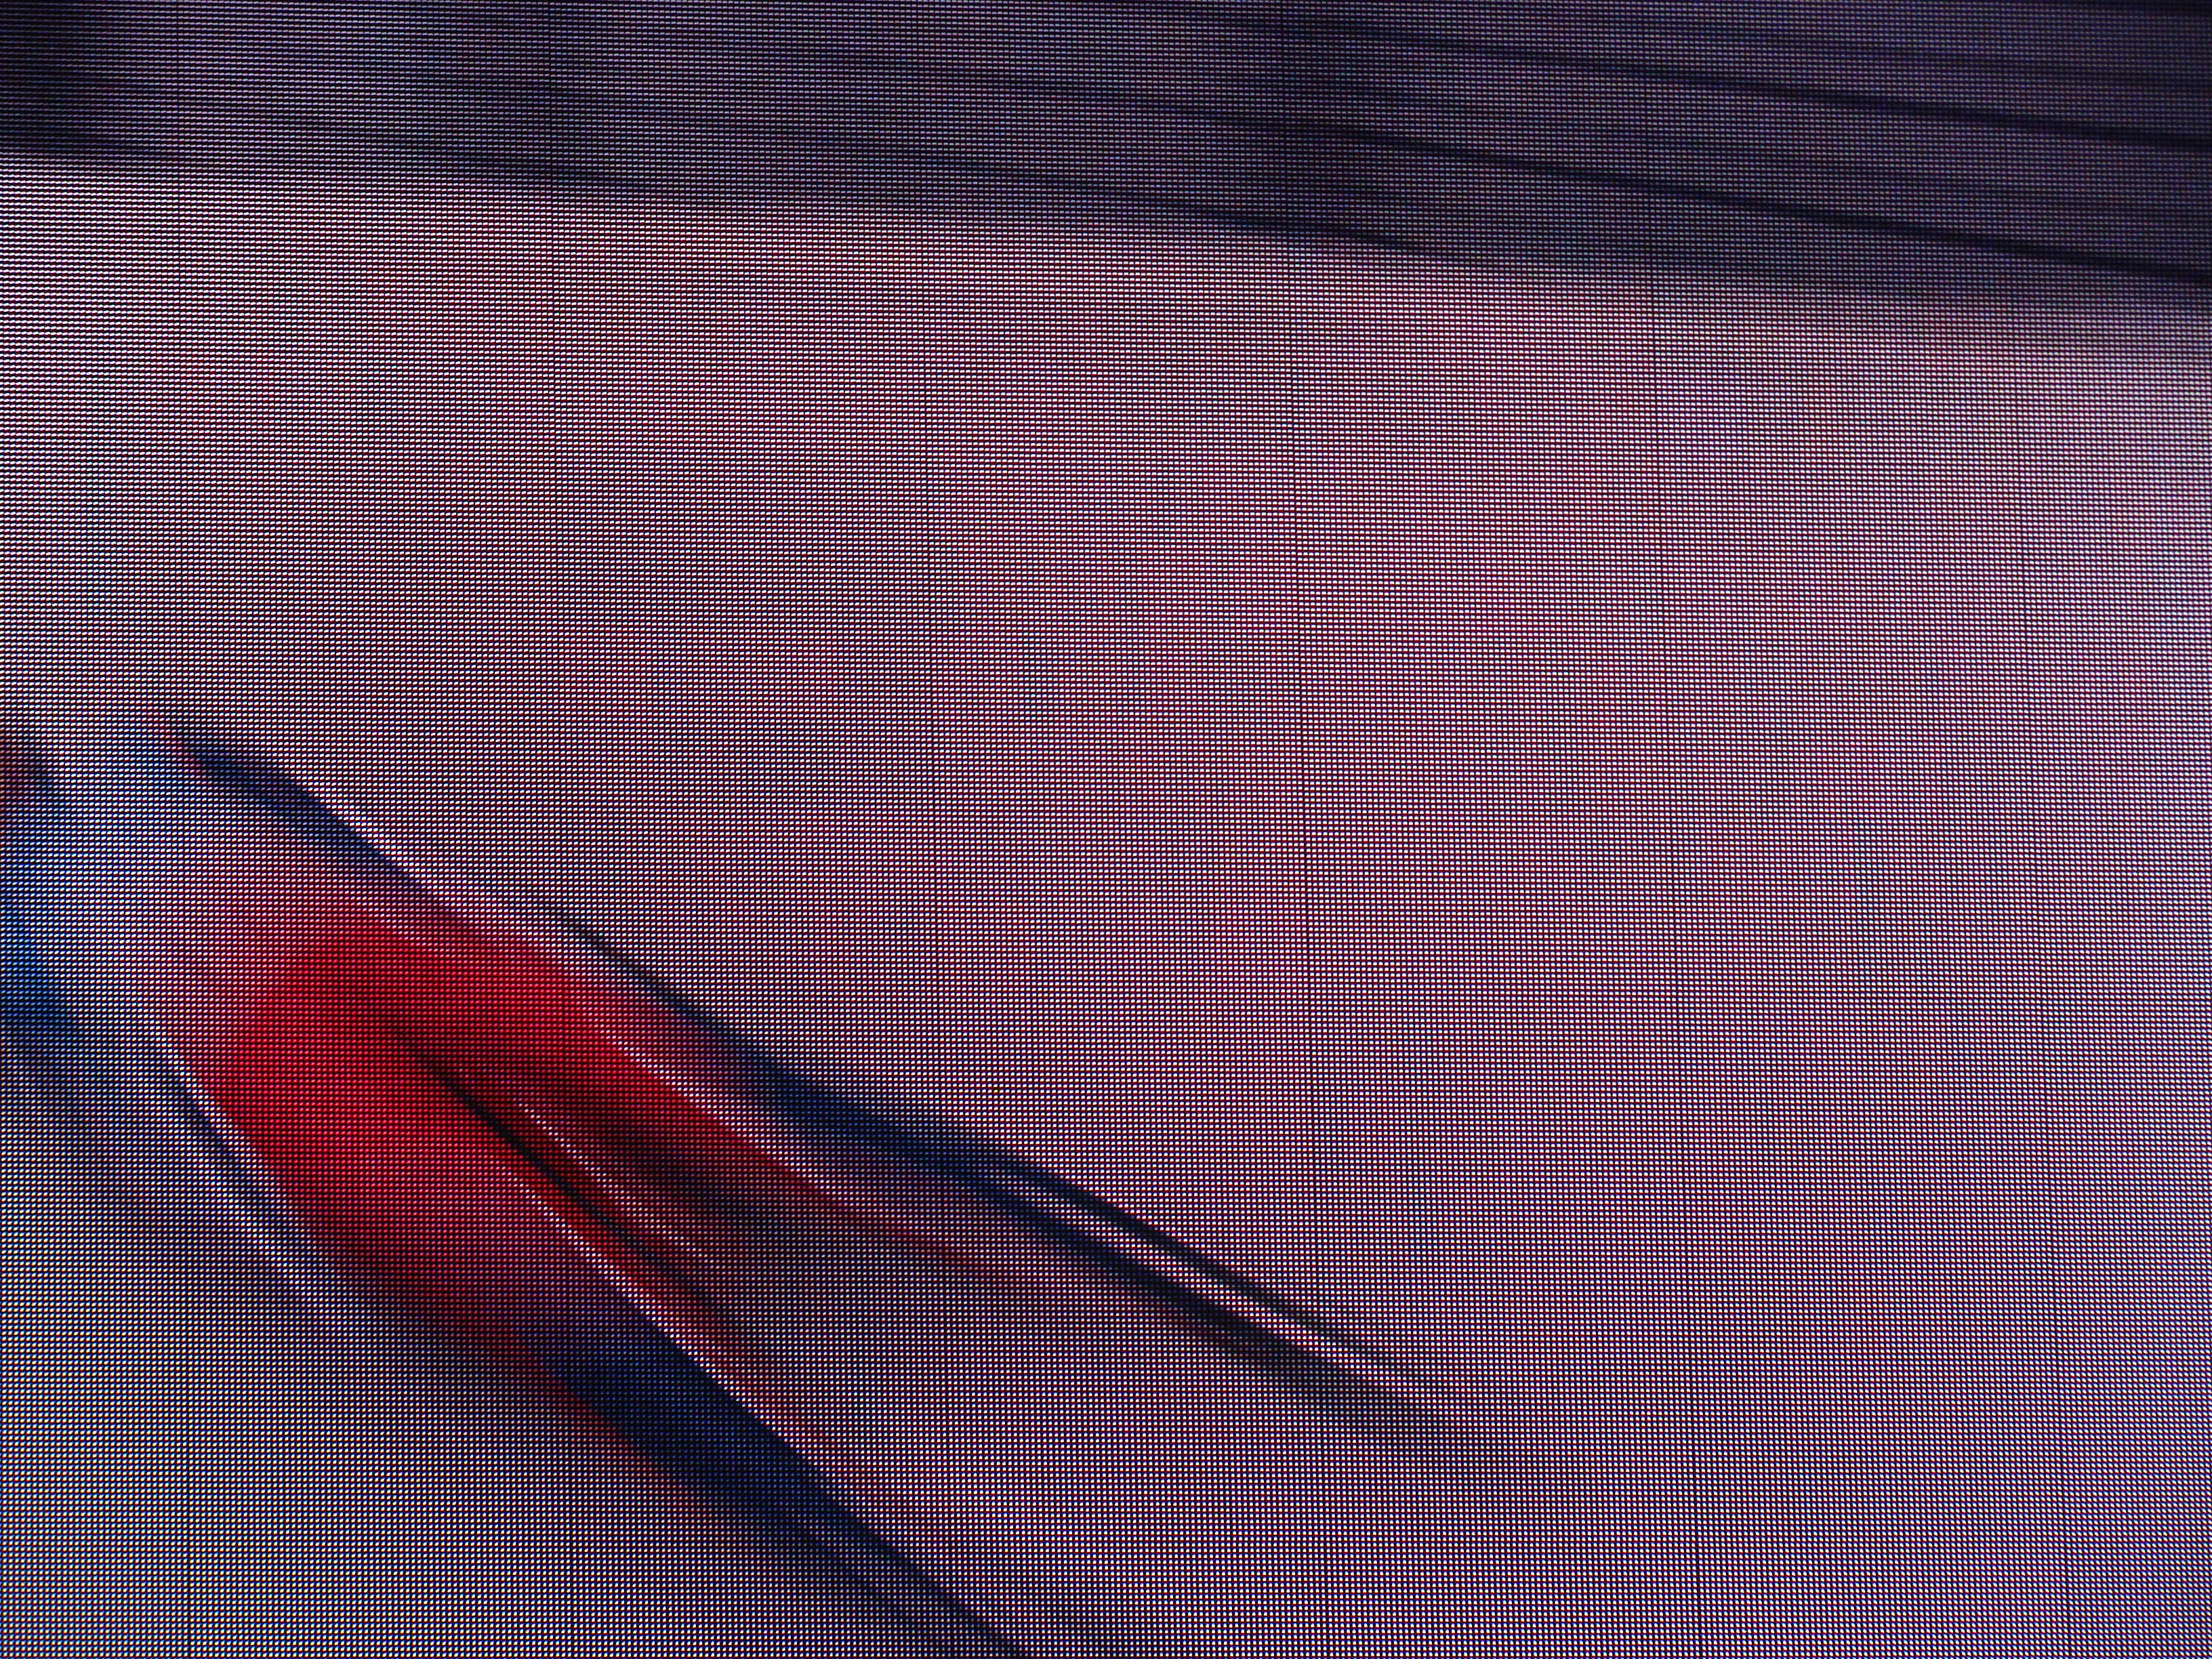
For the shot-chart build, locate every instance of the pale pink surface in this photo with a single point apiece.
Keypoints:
(1651, 837)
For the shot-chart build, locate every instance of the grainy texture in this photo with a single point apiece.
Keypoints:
(1646, 832)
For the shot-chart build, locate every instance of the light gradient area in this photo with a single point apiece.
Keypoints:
(1651, 838)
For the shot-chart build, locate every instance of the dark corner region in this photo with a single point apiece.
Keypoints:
(56, 96)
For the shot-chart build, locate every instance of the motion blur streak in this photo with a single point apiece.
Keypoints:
(436, 1105)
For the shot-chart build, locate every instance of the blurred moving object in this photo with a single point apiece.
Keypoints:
(1694, 793)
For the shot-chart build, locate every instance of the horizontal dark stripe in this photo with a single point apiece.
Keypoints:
(2071, 136)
